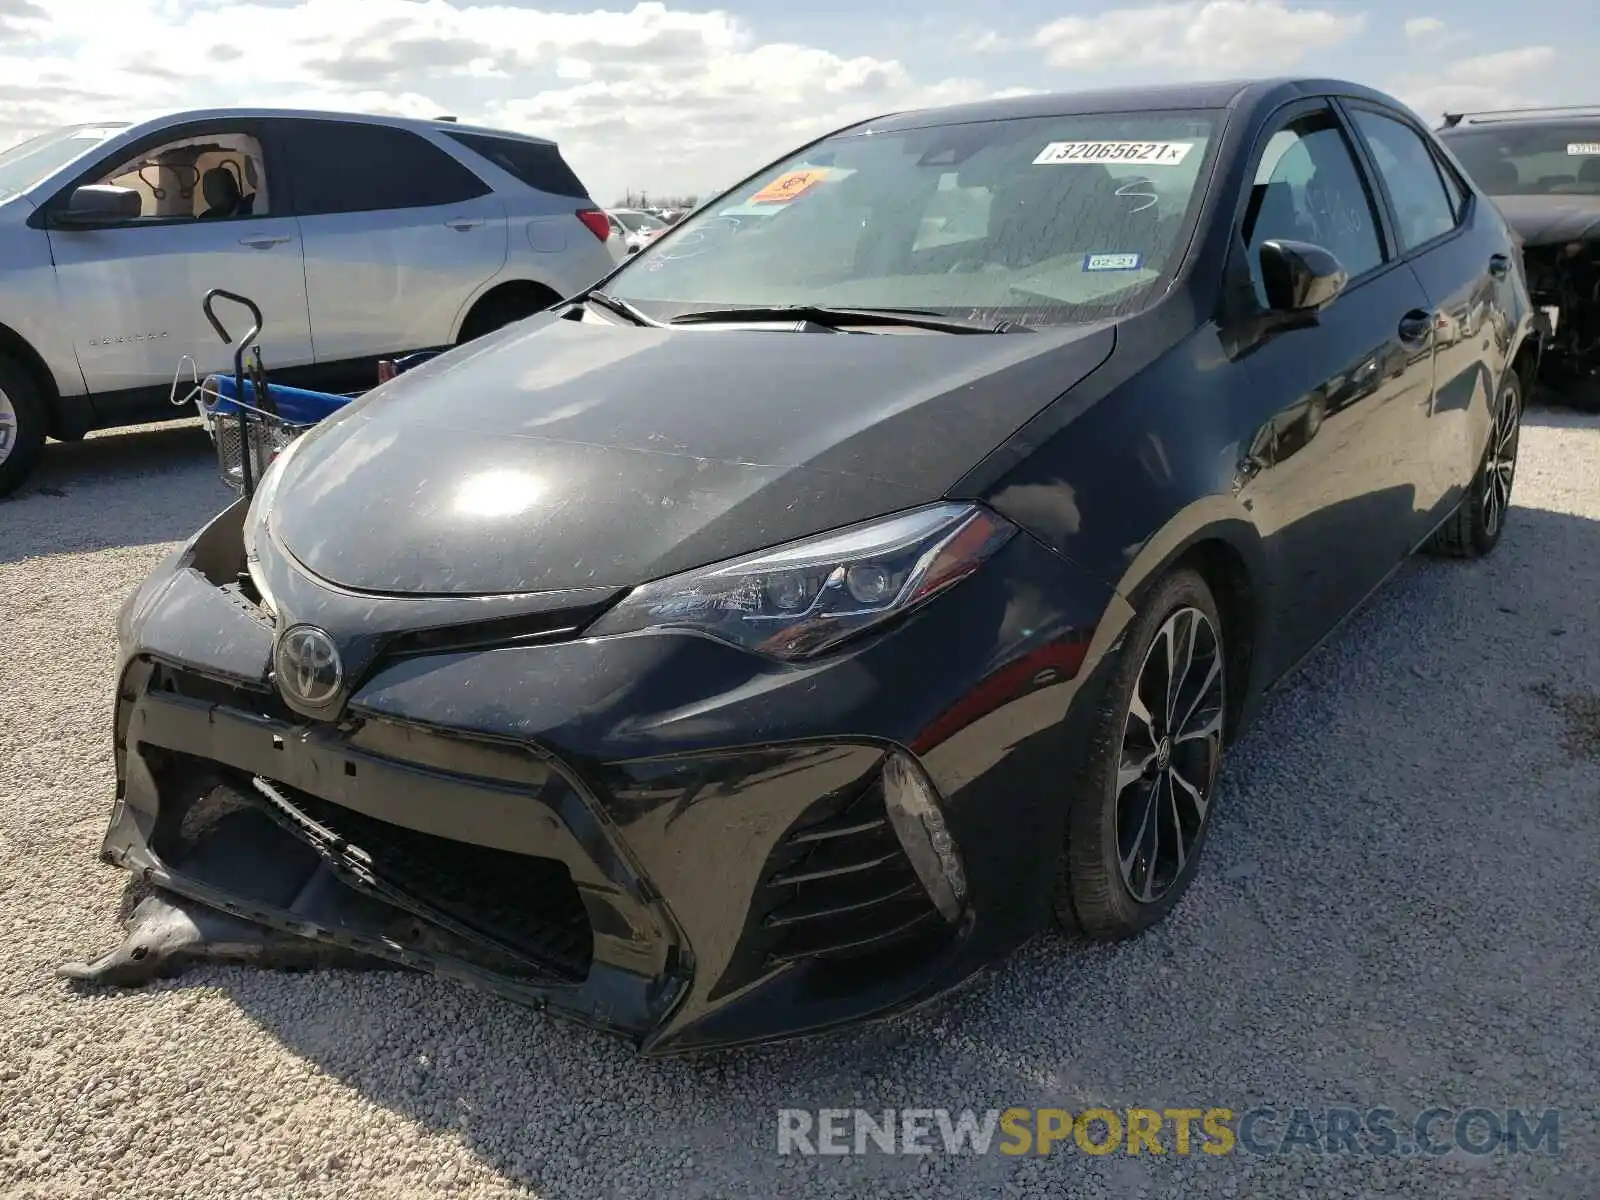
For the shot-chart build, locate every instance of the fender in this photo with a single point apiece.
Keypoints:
(1216, 533)
(30, 309)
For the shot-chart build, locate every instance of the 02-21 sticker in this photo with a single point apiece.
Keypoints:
(1112, 262)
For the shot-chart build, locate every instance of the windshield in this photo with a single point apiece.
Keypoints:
(1040, 220)
(27, 163)
(1531, 160)
(635, 222)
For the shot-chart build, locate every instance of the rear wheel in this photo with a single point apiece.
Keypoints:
(498, 311)
(22, 426)
(1138, 817)
(1474, 529)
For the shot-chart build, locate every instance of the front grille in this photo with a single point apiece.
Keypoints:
(522, 629)
(839, 885)
(526, 906)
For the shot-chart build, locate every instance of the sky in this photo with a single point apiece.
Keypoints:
(675, 97)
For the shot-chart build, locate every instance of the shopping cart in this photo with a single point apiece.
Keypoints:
(251, 421)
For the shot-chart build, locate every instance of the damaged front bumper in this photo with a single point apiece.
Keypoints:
(611, 829)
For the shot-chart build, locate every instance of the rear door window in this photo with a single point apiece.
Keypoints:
(1422, 207)
(349, 166)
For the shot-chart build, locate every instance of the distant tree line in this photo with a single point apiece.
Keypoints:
(633, 199)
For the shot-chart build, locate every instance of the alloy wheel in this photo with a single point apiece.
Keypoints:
(1171, 749)
(1500, 465)
(8, 426)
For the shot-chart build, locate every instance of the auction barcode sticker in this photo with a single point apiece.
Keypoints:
(1143, 154)
(1583, 147)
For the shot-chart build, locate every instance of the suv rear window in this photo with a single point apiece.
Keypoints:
(536, 164)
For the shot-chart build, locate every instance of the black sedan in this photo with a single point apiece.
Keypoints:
(668, 661)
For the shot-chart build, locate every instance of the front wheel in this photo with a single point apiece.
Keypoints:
(1474, 529)
(22, 422)
(1138, 816)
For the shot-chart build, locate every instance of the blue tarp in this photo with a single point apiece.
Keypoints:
(297, 406)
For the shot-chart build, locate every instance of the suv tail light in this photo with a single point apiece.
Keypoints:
(599, 224)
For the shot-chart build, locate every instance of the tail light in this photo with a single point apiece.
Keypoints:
(599, 224)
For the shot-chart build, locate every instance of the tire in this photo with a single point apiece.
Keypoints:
(1103, 892)
(1474, 529)
(501, 311)
(22, 426)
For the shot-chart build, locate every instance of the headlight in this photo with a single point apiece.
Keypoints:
(255, 520)
(801, 599)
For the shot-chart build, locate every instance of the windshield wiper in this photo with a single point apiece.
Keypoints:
(621, 307)
(916, 318)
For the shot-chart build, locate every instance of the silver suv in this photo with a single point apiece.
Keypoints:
(360, 238)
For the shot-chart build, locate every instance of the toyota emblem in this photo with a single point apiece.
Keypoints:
(308, 666)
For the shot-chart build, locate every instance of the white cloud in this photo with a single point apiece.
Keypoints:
(1485, 81)
(1198, 36)
(653, 96)
(1423, 29)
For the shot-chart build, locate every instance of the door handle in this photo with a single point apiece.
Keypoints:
(1499, 266)
(1415, 327)
(462, 224)
(264, 242)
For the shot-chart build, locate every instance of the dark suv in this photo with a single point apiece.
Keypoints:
(1541, 166)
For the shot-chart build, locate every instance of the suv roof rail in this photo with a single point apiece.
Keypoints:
(1452, 119)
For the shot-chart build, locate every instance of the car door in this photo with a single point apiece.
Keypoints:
(1335, 402)
(132, 288)
(399, 236)
(1461, 262)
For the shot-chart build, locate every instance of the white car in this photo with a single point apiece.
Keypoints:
(360, 238)
(635, 228)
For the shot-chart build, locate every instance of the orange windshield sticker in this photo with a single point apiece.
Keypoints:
(786, 187)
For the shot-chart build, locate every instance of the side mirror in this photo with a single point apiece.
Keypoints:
(100, 204)
(1300, 277)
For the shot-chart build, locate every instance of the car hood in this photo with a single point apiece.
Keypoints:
(562, 454)
(1548, 220)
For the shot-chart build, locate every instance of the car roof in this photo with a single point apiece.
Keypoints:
(1559, 114)
(434, 125)
(1221, 94)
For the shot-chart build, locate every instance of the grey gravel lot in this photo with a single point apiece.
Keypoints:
(1399, 909)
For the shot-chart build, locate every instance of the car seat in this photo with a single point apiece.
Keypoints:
(1052, 210)
(221, 192)
(1590, 171)
(1498, 176)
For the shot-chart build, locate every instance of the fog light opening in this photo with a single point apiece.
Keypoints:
(913, 809)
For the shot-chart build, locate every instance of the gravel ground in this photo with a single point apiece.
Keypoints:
(1399, 910)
